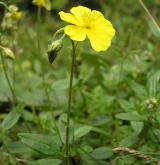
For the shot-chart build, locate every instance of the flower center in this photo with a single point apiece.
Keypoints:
(87, 27)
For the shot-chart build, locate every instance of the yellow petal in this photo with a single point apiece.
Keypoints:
(101, 31)
(17, 15)
(81, 13)
(76, 33)
(68, 17)
(97, 19)
(100, 40)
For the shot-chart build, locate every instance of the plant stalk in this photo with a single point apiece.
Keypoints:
(3, 4)
(39, 22)
(69, 104)
(150, 15)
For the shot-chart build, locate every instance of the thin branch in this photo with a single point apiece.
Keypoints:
(150, 15)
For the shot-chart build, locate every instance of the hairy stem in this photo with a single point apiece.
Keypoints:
(69, 104)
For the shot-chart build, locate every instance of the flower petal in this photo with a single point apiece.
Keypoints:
(101, 32)
(76, 33)
(81, 13)
(100, 41)
(98, 20)
(68, 17)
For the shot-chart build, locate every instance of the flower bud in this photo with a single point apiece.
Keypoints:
(53, 50)
(151, 103)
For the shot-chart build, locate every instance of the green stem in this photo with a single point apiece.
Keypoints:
(3, 4)
(150, 15)
(58, 32)
(39, 22)
(69, 104)
(7, 79)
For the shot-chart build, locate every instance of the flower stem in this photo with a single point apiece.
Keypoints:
(14, 99)
(39, 21)
(69, 104)
(3, 4)
(150, 15)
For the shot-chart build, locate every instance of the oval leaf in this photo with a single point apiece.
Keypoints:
(129, 141)
(45, 144)
(46, 161)
(102, 152)
(82, 131)
(137, 126)
(129, 116)
(12, 118)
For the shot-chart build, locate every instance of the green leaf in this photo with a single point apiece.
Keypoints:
(102, 152)
(129, 141)
(45, 144)
(129, 116)
(19, 148)
(153, 82)
(82, 131)
(12, 118)
(62, 84)
(99, 120)
(137, 126)
(85, 149)
(8, 52)
(46, 162)
(139, 89)
(125, 105)
(62, 128)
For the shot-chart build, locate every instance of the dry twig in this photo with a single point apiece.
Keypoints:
(137, 154)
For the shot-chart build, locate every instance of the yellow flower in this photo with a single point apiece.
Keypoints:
(14, 13)
(17, 15)
(90, 23)
(43, 3)
(11, 17)
(40, 3)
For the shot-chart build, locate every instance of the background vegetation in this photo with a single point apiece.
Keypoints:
(115, 117)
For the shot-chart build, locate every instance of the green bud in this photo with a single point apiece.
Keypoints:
(7, 52)
(13, 8)
(53, 50)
